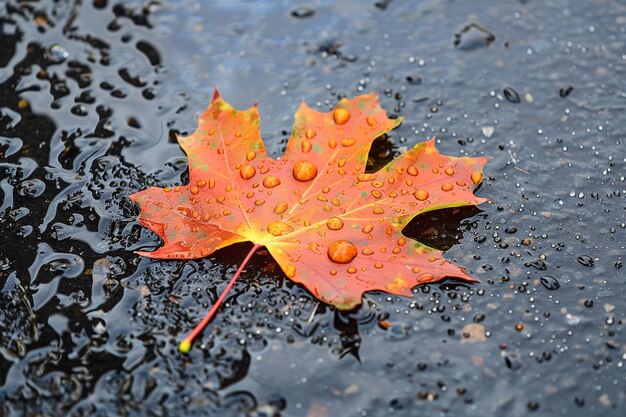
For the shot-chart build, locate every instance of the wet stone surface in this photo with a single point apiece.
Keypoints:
(92, 94)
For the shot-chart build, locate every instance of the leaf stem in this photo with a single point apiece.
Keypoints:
(185, 345)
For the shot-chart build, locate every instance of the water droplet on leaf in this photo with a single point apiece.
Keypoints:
(342, 251)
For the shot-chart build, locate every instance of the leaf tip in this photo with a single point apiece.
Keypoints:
(216, 93)
(184, 347)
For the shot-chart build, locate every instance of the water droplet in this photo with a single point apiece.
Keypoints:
(194, 190)
(366, 177)
(271, 181)
(347, 142)
(341, 116)
(211, 183)
(473, 36)
(424, 278)
(449, 171)
(247, 171)
(447, 186)
(259, 202)
(565, 91)
(477, 177)
(511, 95)
(378, 210)
(421, 195)
(377, 184)
(513, 361)
(371, 121)
(401, 241)
(302, 12)
(367, 251)
(378, 265)
(310, 133)
(279, 228)
(290, 270)
(201, 183)
(376, 193)
(56, 54)
(334, 223)
(332, 143)
(412, 170)
(304, 171)
(306, 146)
(342, 251)
(549, 282)
(250, 155)
(351, 270)
(585, 260)
(280, 207)
(367, 228)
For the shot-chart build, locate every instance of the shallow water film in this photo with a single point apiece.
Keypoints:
(92, 95)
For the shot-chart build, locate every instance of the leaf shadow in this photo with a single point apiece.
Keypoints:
(442, 229)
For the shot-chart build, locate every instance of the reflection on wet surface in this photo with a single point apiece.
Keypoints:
(92, 94)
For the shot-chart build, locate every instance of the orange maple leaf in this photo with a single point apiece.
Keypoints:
(331, 226)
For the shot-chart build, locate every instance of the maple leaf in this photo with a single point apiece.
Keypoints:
(331, 226)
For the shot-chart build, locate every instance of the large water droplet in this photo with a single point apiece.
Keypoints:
(334, 223)
(247, 171)
(447, 186)
(585, 260)
(421, 195)
(477, 177)
(271, 181)
(341, 116)
(56, 54)
(342, 251)
(279, 228)
(549, 282)
(304, 171)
